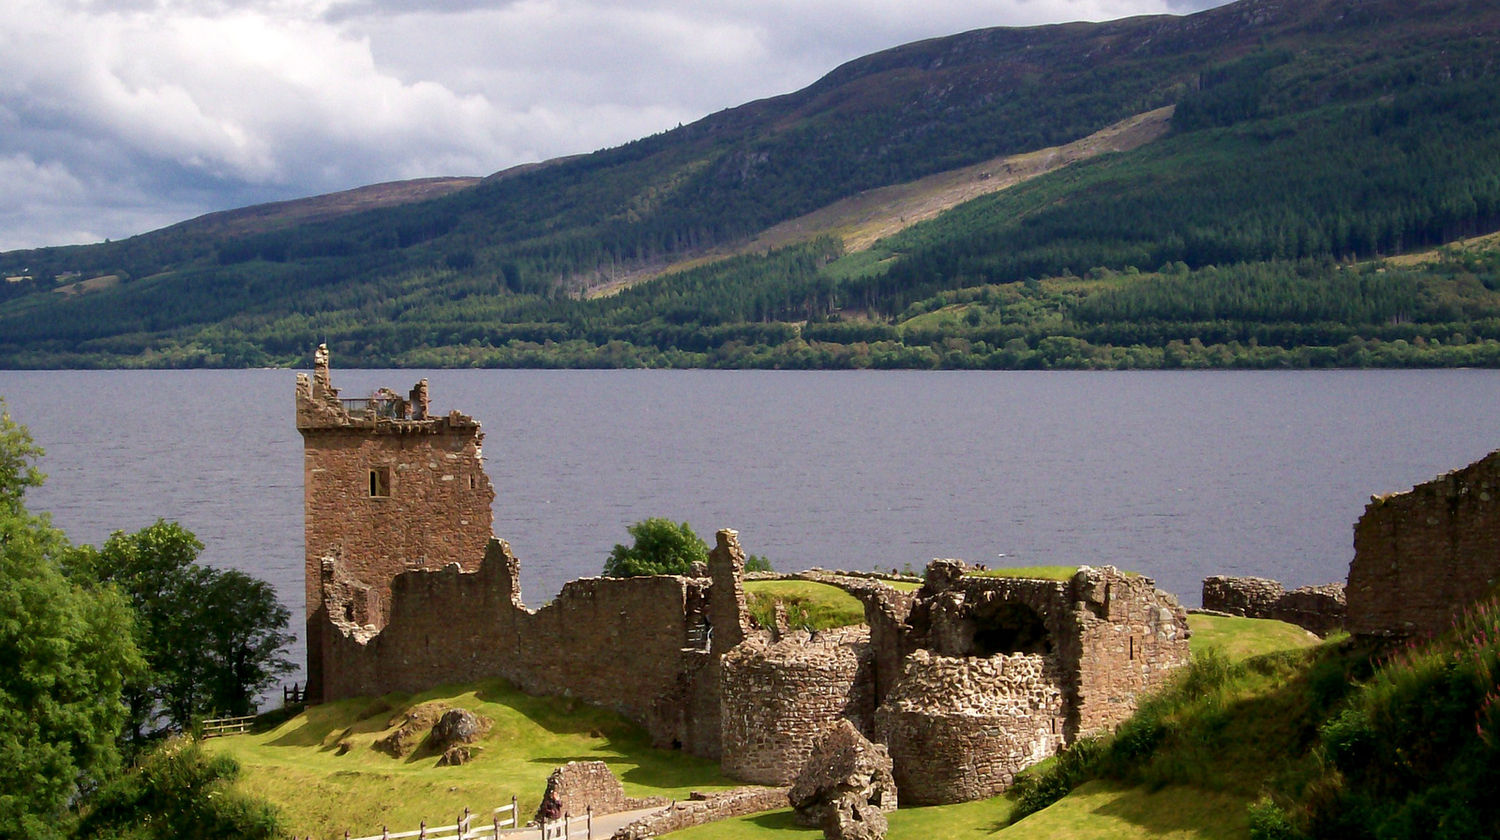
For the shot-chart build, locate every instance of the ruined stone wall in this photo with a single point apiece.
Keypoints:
(701, 810)
(778, 696)
(1130, 637)
(1252, 597)
(886, 613)
(1320, 609)
(386, 489)
(960, 728)
(1420, 556)
(619, 643)
(580, 786)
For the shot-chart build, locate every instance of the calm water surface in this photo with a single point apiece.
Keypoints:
(1177, 475)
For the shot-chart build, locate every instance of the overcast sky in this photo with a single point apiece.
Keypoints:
(121, 116)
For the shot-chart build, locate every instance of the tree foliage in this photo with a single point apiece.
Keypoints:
(661, 547)
(178, 791)
(67, 653)
(211, 637)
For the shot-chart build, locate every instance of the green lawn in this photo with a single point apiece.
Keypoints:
(324, 789)
(968, 821)
(1240, 638)
(1033, 572)
(817, 606)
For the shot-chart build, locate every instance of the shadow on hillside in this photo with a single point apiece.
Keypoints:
(1178, 810)
(346, 717)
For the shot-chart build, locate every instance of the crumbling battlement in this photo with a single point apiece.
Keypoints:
(1422, 555)
(778, 696)
(960, 728)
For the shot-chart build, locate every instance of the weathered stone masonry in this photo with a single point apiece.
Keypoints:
(387, 488)
(968, 680)
(1420, 556)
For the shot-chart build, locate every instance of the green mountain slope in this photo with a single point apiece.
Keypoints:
(1303, 134)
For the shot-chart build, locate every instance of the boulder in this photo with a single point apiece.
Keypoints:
(458, 726)
(846, 785)
(412, 727)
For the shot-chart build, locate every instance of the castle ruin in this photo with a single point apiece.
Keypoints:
(967, 680)
(1421, 556)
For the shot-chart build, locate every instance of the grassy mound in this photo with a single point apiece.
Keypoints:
(811, 605)
(322, 770)
(1348, 740)
(1241, 638)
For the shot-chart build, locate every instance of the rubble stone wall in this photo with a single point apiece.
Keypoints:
(698, 811)
(1319, 609)
(1129, 637)
(778, 697)
(1422, 555)
(581, 785)
(960, 728)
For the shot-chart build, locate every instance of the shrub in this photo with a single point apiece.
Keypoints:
(661, 547)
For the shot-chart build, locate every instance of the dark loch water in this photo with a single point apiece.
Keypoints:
(1176, 475)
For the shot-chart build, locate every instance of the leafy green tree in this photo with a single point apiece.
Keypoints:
(179, 791)
(661, 547)
(67, 653)
(212, 638)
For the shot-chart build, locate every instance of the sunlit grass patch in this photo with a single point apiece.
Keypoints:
(811, 605)
(321, 769)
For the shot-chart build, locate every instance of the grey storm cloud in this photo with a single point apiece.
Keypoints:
(120, 116)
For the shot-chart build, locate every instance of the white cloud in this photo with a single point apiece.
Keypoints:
(114, 116)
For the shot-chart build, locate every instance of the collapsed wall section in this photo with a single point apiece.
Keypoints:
(1318, 609)
(1422, 555)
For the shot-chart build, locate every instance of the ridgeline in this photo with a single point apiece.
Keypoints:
(1242, 187)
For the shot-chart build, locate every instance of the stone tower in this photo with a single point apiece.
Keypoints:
(387, 488)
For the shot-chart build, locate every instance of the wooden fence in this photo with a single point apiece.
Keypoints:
(567, 827)
(218, 727)
(501, 818)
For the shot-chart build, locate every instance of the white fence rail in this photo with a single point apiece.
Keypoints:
(219, 727)
(501, 818)
(566, 828)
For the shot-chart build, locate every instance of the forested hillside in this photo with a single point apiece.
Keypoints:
(1310, 142)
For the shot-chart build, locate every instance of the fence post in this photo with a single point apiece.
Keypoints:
(591, 822)
(422, 830)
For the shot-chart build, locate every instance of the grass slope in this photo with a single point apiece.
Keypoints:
(323, 789)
